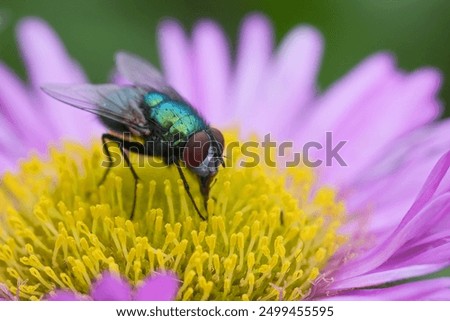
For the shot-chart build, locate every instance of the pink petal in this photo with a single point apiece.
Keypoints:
(111, 287)
(361, 84)
(5, 294)
(39, 44)
(421, 214)
(291, 83)
(436, 289)
(402, 105)
(436, 250)
(11, 145)
(65, 295)
(176, 56)
(24, 118)
(386, 276)
(429, 215)
(5, 163)
(162, 286)
(211, 54)
(253, 54)
(48, 62)
(402, 169)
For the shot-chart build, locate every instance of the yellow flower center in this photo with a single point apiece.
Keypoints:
(268, 234)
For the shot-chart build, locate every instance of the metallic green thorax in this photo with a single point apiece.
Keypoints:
(175, 116)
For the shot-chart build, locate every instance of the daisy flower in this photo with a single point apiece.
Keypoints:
(356, 227)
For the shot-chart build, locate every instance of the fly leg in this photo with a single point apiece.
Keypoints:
(205, 185)
(105, 141)
(186, 187)
(122, 144)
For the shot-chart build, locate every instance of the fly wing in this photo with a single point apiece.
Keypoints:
(142, 73)
(115, 102)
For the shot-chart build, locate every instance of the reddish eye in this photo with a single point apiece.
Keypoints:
(196, 149)
(218, 137)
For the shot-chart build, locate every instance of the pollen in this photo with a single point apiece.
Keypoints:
(268, 235)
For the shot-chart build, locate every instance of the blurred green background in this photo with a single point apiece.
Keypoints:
(415, 31)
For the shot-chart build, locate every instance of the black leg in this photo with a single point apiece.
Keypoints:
(105, 142)
(127, 145)
(136, 179)
(205, 186)
(186, 187)
(206, 191)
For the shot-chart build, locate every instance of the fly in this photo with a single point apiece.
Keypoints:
(157, 119)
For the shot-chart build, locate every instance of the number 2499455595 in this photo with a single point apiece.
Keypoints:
(299, 311)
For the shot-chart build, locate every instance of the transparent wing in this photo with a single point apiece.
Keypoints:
(141, 73)
(117, 103)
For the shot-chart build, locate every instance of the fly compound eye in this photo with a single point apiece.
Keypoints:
(196, 149)
(219, 139)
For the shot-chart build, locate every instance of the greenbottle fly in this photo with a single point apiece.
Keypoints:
(157, 120)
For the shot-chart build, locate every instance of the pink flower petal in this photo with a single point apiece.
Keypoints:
(409, 102)
(383, 277)
(39, 43)
(176, 56)
(161, 286)
(48, 62)
(24, 119)
(254, 51)
(436, 289)
(436, 250)
(10, 144)
(362, 83)
(5, 164)
(290, 83)
(111, 287)
(431, 213)
(421, 214)
(211, 56)
(5, 294)
(64, 295)
(402, 169)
